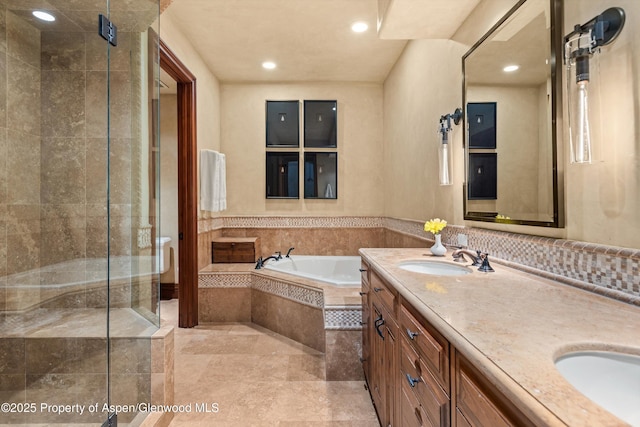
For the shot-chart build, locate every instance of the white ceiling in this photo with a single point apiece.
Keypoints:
(310, 40)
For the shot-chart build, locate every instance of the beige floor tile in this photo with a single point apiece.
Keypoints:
(258, 378)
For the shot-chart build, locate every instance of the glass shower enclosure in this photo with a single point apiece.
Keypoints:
(79, 210)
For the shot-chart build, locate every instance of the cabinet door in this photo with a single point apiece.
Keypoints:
(367, 330)
(480, 403)
(376, 368)
(390, 369)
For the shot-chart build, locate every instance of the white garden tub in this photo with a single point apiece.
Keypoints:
(340, 271)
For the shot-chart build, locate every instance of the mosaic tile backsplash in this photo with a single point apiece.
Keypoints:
(606, 270)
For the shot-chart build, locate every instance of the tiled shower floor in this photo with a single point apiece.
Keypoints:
(258, 378)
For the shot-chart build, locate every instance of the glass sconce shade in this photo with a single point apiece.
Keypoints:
(578, 51)
(579, 46)
(444, 159)
(444, 148)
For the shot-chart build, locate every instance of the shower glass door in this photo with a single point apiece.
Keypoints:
(78, 213)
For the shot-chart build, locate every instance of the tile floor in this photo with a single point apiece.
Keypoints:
(258, 378)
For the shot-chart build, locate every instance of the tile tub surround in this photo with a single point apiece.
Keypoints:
(606, 270)
(318, 315)
(513, 325)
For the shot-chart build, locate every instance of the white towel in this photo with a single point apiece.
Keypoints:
(328, 193)
(213, 181)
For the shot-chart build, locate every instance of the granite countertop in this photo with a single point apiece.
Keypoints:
(513, 325)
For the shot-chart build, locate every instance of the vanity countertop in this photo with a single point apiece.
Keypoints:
(513, 325)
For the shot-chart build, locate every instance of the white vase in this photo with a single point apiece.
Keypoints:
(438, 249)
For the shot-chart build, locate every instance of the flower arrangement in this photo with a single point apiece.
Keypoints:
(435, 226)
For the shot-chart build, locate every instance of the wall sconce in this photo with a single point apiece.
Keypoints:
(444, 150)
(579, 45)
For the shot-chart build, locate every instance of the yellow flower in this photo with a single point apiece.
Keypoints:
(435, 226)
(502, 217)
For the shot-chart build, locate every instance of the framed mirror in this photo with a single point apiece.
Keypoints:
(283, 173)
(320, 124)
(320, 175)
(513, 110)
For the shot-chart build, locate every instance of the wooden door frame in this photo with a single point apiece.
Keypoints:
(187, 187)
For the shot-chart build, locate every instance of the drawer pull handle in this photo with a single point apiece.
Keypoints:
(362, 360)
(362, 293)
(412, 381)
(412, 334)
(378, 289)
(418, 416)
(363, 323)
(362, 270)
(379, 322)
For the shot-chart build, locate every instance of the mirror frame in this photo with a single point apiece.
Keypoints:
(555, 63)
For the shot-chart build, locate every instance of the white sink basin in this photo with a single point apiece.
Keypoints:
(612, 380)
(435, 268)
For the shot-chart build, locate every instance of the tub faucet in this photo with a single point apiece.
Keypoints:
(289, 251)
(476, 258)
(279, 255)
(261, 262)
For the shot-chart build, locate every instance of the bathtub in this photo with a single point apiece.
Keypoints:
(341, 271)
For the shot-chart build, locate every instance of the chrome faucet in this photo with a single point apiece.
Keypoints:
(479, 259)
(458, 256)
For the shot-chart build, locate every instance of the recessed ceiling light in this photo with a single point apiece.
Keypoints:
(45, 16)
(268, 65)
(510, 68)
(359, 27)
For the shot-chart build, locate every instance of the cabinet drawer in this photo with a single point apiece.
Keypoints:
(382, 291)
(432, 347)
(411, 413)
(415, 374)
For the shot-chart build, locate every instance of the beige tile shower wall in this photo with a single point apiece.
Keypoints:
(19, 148)
(423, 85)
(360, 161)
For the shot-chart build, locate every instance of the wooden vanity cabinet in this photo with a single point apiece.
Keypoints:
(415, 376)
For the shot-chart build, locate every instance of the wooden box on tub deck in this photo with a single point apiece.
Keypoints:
(235, 249)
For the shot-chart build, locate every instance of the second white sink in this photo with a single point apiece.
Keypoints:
(612, 380)
(435, 268)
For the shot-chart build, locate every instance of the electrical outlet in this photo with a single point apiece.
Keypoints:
(462, 240)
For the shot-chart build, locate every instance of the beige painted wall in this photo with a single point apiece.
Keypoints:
(360, 183)
(207, 86)
(423, 85)
(603, 199)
